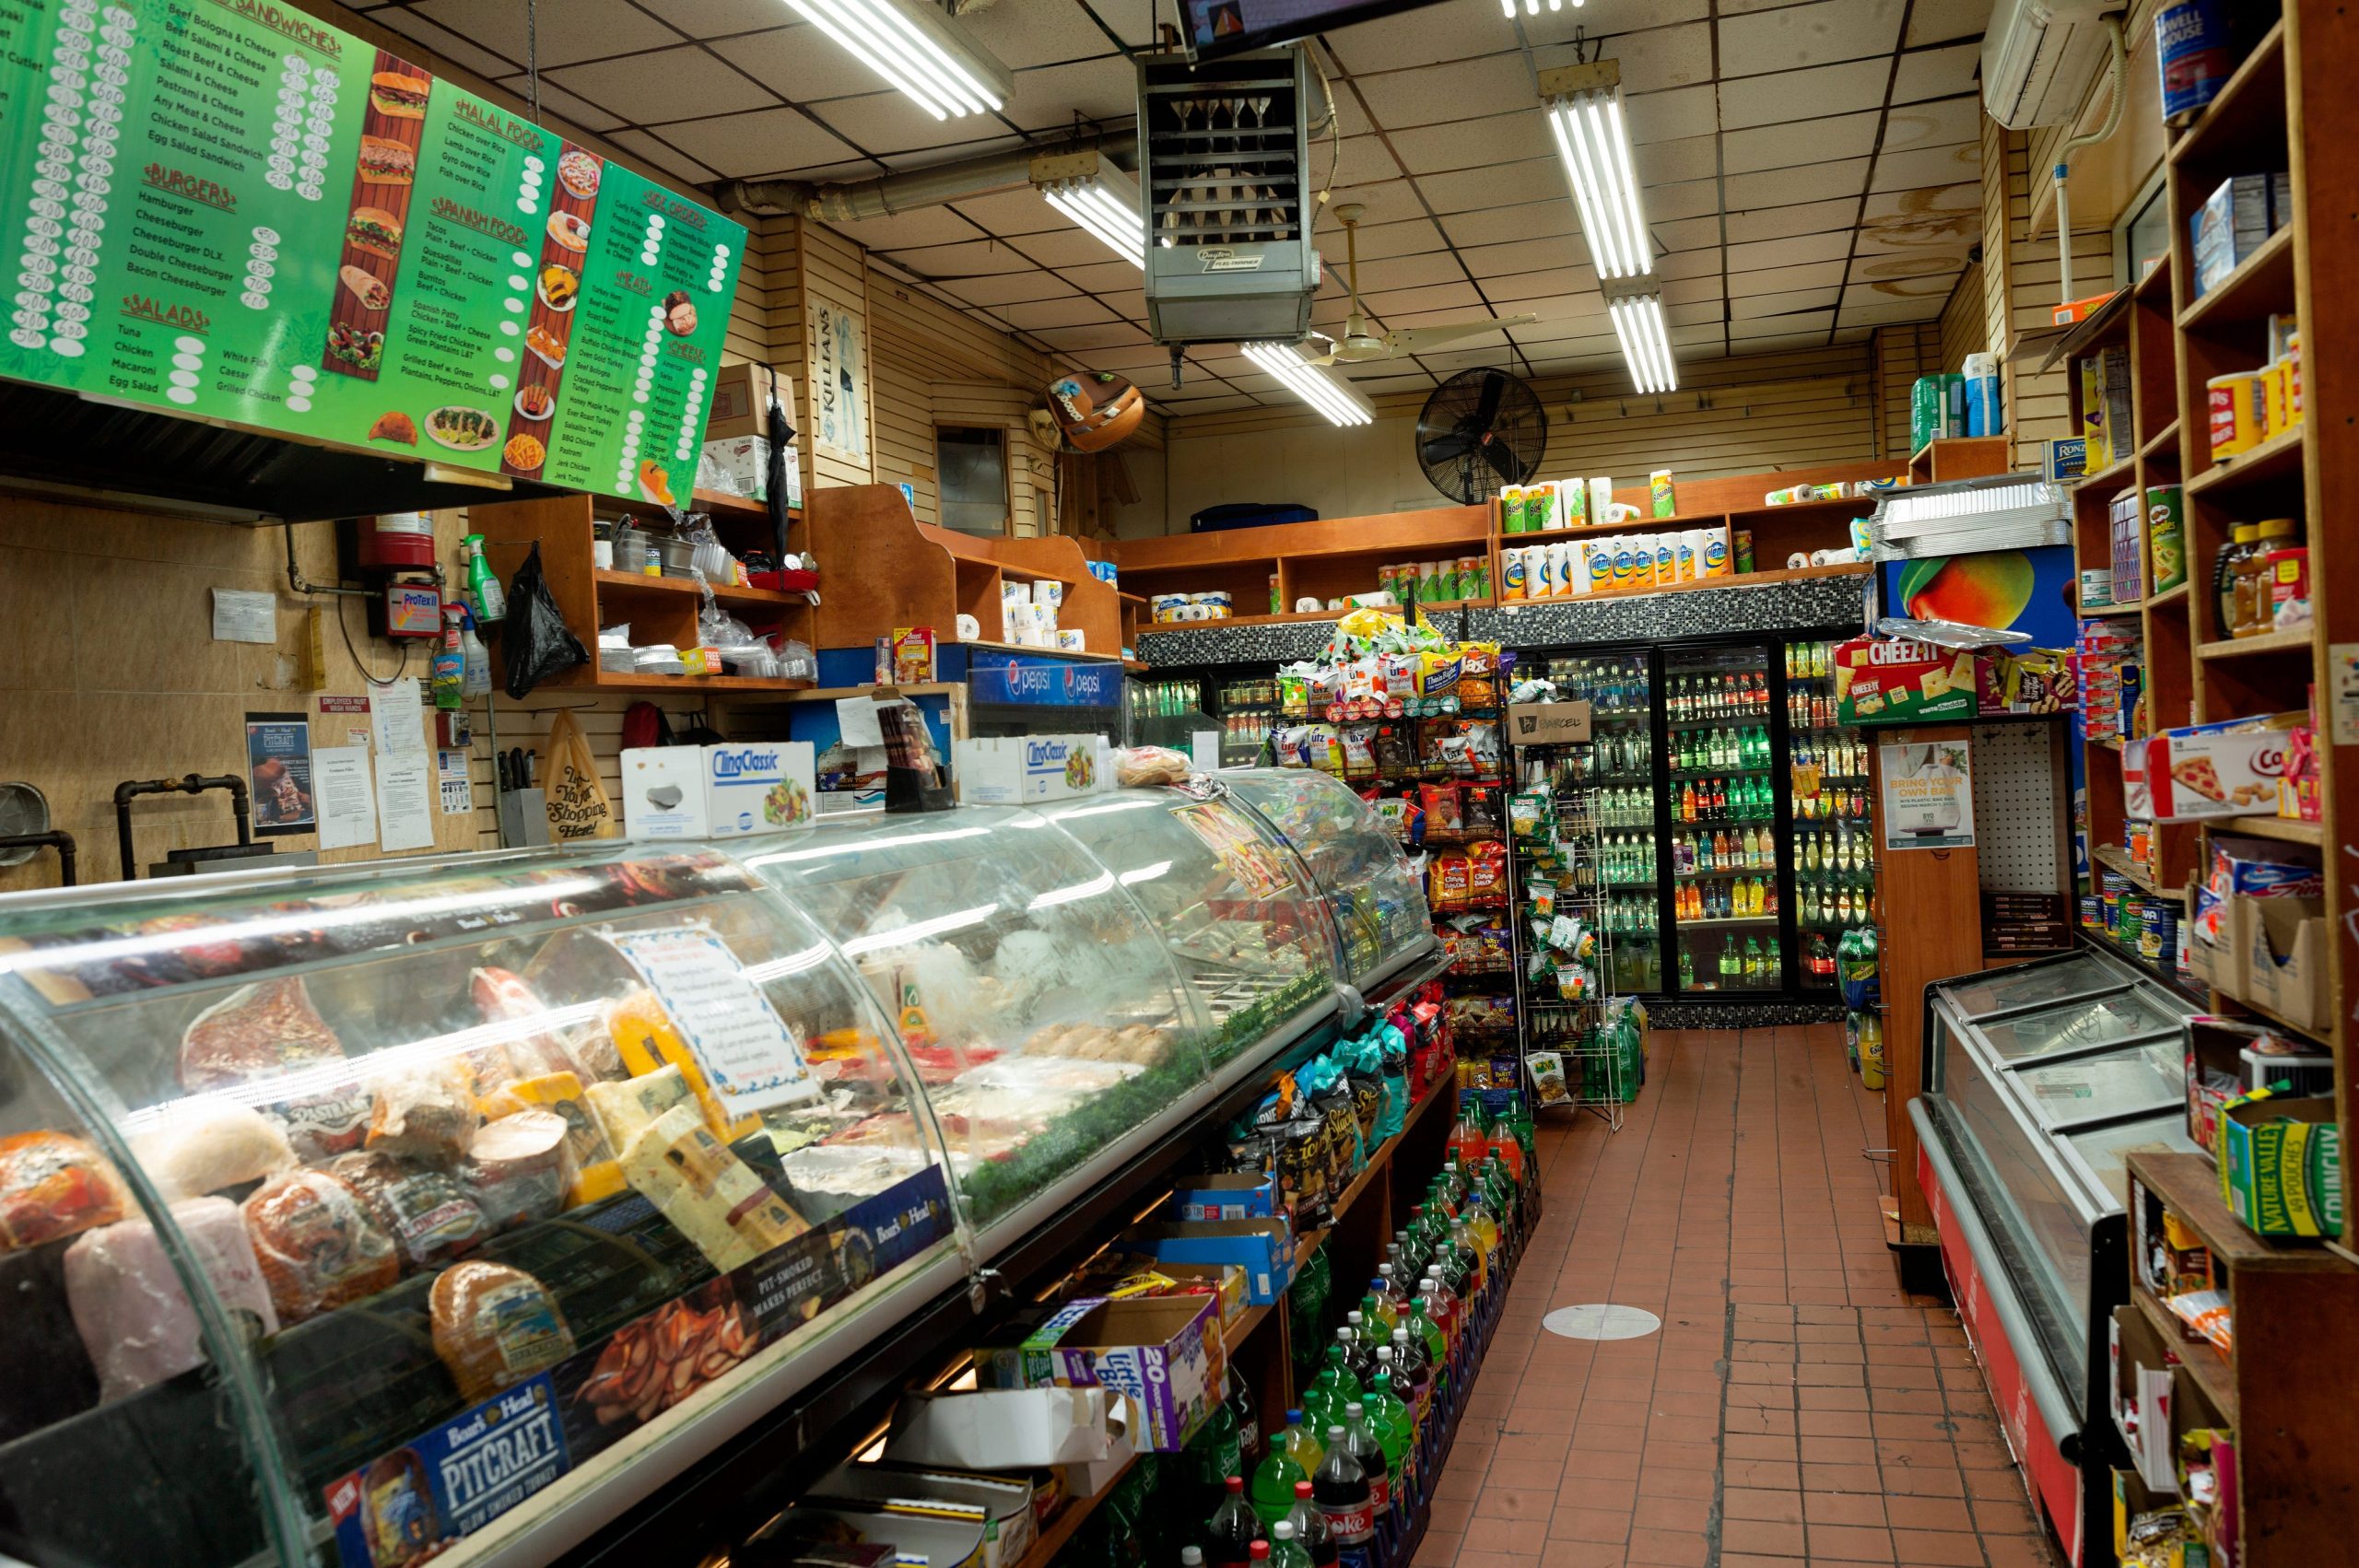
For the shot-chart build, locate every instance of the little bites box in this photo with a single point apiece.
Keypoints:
(1894, 681)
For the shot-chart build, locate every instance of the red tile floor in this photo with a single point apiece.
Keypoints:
(1797, 1405)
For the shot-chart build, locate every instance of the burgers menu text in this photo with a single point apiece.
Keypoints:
(227, 208)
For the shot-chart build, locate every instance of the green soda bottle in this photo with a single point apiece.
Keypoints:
(1388, 1414)
(1273, 1481)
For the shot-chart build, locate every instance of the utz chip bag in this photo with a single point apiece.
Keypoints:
(1450, 880)
(1487, 873)
(1438, 674)
(1529, 813)
(1548, 1086)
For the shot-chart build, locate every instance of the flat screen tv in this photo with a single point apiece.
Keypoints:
(1219, 27)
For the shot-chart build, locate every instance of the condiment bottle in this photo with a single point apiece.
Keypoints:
(2223, 568)
(2248, 589)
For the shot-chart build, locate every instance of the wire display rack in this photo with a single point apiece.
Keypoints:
(1548, 1021)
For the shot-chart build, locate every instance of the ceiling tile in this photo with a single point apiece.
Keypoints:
(1693, 291)
(1561, 249)
(1748, 224)
(1394, 303)
(1062, 247)
(1583, 309)
(1914, 291)
(1753, 307)
(1012, 212)
(1566, 329)
(1530, 220)
(1386, 201)
(970, 259)
(767, 141)
(1615, 18)
(1795, 36)
(1881, 313)
(1512, 292)
(1670, 116)
(1936, 73)
(903, 231)
(1783, 280)
(1804, 142)
(1130, 304)
(1449, 362)
(1684, 234)
(1940, 122)
(1816, 323)
(1047, 97)
(670, 83)
(889, 122)
(1410, 272)
(1885, 206)
(1701, 262)
(644, 144)
(1785, 187)
(1691, 313)
(1938, 21)
(1792, 250)
(1783, 339)
(593, 28)
(1378, 241)
(1132, 21)
(559, 103)
(460, 52)
(713, 18)
(1689, 198)
(1012, 287)
(1670, 163)
(1826, 89)
(1939, 233)
(1076, 311)
(1398, 43)
(1926, 166)
(1868, 267)
(1021, 33)
(800, 64)
(1106, 279)
(1653, 59)
(1506, 184)
(945, 152)
(1476, 144)
(1432, 95)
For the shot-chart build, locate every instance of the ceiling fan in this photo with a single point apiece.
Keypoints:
(1359, 347)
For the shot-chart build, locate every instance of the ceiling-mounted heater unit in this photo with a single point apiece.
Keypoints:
(1223, 172)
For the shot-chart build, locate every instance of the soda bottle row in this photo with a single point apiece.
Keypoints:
(1743, 798)
(1744, 745)
(1809, 708)
(1840, 756)
(1833, 803)
(1832, 849)
(1737, 898)
(1833, 905)
(1623, 751)
(1723, 850)
(1753, 967)
(1809, 661)
(1731, 694)
(1616, 684)
(1627, 857)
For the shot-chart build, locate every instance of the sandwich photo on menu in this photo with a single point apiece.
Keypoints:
(403, 97)
(384, 170)
(384, 161)
(374, 231)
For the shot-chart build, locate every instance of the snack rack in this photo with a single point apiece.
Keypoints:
(1548, 1022)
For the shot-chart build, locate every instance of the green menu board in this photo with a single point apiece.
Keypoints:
(228, 209)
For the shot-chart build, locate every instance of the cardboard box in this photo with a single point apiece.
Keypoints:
(1263, 1249)
(1164, 1355)
(741, 466)
(2212, 1048)
(2282, 944)
(2064, 459)
(739, 400)
(1024, 769)
(2144, 1388)
(1547, 723)
(1114, 1275)
(2228, 227)
(759, 787)
(1894, 681)
(950, 1534)
(1245, 1196)
(2280, 1166)
(1009, 1528)
(2036, 680)
(1003, 1429)
(2208, 770)
(662, 788)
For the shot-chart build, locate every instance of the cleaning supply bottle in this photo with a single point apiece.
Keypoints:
(448, 673)
(485, 596)
(478, 681)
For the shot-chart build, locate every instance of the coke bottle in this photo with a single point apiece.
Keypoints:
(1233, 1529)
(1369, 1451)
(1342, 1490)
(1412, 1374)
(1311, 1526)
(1257, 1554)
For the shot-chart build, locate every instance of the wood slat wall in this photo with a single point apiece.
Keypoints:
(1964, 329)
(1768, 411)
(1902, 354)
(835, 269)
(2022, 284)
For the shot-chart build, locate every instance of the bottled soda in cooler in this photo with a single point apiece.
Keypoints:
(1274, 1478)
(1233, 1530)
(1342, 1489)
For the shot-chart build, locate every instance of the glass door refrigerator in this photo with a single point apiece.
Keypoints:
(1724, 814)
(1616, 772)
(1834, 842)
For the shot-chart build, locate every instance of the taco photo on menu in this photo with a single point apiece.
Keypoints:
(384, 161)
(375, 230)
(404, 98)
(367, 287)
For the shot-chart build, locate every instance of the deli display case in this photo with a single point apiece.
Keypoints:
(362, 1216)
(2039, 1078)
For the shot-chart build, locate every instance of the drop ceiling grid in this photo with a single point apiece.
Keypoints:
(1448, 143)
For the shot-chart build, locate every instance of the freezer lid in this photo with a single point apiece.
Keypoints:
(2080, 1090)
(2010, 990)
(2098, 1152)
(2084, 1024)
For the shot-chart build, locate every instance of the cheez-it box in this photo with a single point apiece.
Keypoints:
(1894, 681)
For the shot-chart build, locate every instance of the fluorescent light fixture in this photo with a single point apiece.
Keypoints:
(1088, 189)
(1532, 8)
(917, 48)
(1331, 395)
(1635, 305)
(1585, 114)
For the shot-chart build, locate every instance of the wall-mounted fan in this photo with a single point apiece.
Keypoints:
(1481, 429)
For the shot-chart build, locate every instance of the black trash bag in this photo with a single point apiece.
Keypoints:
(537, 641)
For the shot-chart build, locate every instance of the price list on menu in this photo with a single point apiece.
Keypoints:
(228, 209)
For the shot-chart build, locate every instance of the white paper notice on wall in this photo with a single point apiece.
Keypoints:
(340, 791)
(2342, 692)
(242, 615)
(856, 718)
(397, 720)
(749, 1056)
(404, 799)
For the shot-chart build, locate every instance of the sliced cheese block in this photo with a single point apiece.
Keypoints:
(627, 1110)
(590, 1169)
(703, 1188)
(645, 1037)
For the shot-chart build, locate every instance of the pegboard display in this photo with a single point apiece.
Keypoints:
(2020, 796)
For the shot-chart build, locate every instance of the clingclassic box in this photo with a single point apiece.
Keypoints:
(1023, 769)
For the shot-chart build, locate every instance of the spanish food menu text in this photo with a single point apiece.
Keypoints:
(229, 209)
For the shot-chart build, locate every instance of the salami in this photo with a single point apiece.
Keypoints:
(428, 1213)
(502, 997)
(425, 1111)
(261, 1032)
(317, 1244)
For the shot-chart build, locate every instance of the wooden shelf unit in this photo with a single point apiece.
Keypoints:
(1331, 558)
(659, 609)
(1961, 457)
(2294, 1313)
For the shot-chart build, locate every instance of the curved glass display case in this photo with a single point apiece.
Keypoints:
(1379, 911)
(363, 1214)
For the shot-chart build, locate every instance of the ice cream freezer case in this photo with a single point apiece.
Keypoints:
(2039, 1079)
(359, 1216)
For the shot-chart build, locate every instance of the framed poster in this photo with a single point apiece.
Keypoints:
(838, 379)
(1928, 795)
